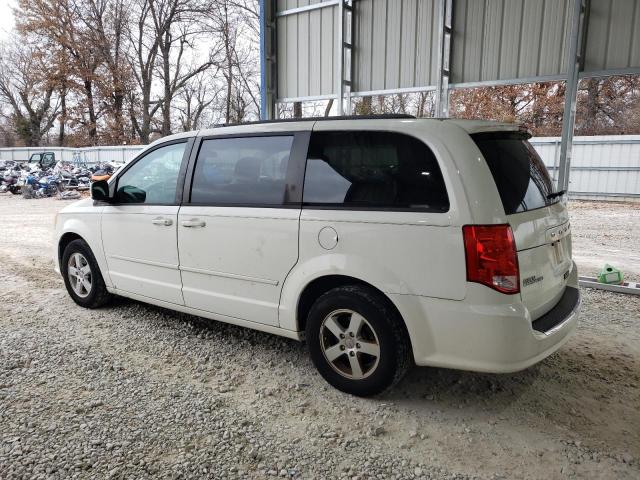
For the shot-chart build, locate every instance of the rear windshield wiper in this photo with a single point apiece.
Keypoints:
(553, 195)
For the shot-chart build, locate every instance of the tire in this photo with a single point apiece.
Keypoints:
(381, 331)
(92, 292)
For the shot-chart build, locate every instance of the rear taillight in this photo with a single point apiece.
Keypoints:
(491, 257)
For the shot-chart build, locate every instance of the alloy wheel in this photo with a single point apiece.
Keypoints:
(349, 344)
(79, 273)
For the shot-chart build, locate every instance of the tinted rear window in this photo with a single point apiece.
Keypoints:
(522, 179)
(373, 170)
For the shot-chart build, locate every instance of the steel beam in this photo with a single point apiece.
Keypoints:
(268, 71)
(312, 98)
(345, 43)
(347, 49)
(340, 59)
(444, 57)
(603, 169)
(576, 50)
(605, 194)
(630, 288)
(307, 8)
(395, 91)
(510, 81)
(610, 71)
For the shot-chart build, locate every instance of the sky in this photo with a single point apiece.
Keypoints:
(6, 18)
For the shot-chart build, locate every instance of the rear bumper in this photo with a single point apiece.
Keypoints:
(555, 319)
(485, 337)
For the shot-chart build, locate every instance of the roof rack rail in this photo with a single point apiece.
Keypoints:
(382, 116)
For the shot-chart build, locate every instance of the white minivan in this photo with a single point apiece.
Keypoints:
(382, 242)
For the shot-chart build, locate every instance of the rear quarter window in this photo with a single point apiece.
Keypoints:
(373, 170)
(521, 177)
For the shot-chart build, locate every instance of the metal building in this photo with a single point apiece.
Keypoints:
(338, 49)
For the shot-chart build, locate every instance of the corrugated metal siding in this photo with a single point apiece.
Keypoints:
(306, 49)
(601, 166)
(613, 35)
(507, 39)
(395, 44)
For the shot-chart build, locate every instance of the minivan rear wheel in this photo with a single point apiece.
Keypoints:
(357, 340)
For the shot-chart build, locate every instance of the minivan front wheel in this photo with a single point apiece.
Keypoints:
(82, 276)
(357, 341)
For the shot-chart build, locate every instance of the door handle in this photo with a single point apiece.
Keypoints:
(167, 222)
(194, 223)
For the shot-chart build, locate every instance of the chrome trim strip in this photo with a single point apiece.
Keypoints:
(144, 262)
(235, 276)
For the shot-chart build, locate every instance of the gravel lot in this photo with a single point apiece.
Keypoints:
(134, 391)
(606, 233)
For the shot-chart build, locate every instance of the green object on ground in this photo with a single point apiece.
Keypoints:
(610, 275)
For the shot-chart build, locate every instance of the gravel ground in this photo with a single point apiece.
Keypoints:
(135, 391)
(606, 233)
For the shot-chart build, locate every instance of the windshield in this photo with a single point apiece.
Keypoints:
(522, 180)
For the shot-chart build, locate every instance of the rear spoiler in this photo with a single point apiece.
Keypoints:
(520, 133)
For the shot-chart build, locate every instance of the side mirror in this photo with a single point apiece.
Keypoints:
(100, 191)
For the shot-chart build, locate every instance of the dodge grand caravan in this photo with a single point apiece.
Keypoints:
(382, 242)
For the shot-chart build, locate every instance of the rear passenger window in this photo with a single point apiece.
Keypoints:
(373, 170)
(242, 171)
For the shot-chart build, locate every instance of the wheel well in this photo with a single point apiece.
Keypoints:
(322, 285)
(65, 240)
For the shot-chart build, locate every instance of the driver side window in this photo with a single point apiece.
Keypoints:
(154, 178)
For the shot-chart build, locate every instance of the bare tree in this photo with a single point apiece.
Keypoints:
(194, 100)
(26, 89)
(222, 27)
(60, 23)
(143, 61)
(176, 23)
(106, 22)
(131, 68)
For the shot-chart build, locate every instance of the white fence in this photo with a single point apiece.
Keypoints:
(603, 167)
(90, 155)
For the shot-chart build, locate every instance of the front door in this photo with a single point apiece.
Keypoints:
(139, 231)
(238, 229)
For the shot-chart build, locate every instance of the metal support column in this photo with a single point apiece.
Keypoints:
(345, 55)
(340, 58)
(445, 16)
(268, 72)
(576, 60)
